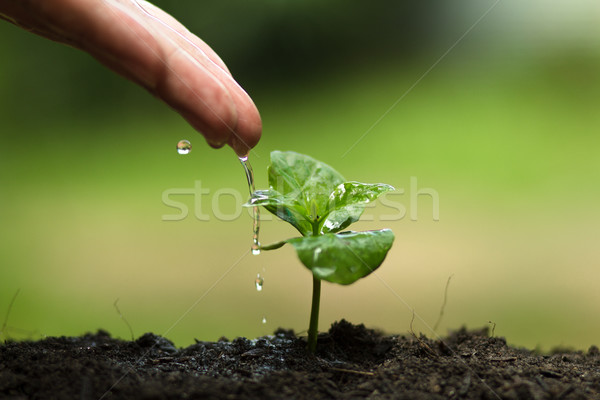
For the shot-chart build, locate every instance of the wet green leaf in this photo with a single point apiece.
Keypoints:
(293, 174)
(300, 189)
(286, 208)
(305, 180)
(343, 257)
(347, 203)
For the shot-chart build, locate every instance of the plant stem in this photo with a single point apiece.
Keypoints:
(314, 316)
(273, 246)
(313, 327)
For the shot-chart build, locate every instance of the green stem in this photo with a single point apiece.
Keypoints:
(273, 246)
(313, 327)
(314, 316)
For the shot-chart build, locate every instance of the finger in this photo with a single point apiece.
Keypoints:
(151, 48)
(142, 49)
(183, 34)
(247, 129)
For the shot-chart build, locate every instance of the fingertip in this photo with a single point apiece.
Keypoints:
(239, 147)
(246, 136)
(248, 130)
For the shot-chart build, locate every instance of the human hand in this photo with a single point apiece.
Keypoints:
(148, 46)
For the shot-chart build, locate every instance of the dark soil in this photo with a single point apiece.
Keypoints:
(352, 362)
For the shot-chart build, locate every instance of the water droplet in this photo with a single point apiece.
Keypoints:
(256, 249)
(184, 147)
(259, 281)
(264, 320)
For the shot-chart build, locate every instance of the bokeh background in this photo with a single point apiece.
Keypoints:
(504, 129)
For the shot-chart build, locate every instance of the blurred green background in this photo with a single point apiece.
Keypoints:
(504, 128)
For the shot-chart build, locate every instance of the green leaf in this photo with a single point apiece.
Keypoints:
(284, 207)
(302, 178)
(347, 203)
(343, 257)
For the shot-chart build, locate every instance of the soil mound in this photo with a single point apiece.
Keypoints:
(351, 362)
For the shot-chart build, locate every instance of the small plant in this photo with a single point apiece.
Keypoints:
(320, 203)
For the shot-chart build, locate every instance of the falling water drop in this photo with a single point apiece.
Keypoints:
(255, 212)
(259, 281)
(264, 320)
(184, 147)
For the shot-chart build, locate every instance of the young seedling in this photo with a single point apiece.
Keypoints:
(320, 203)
